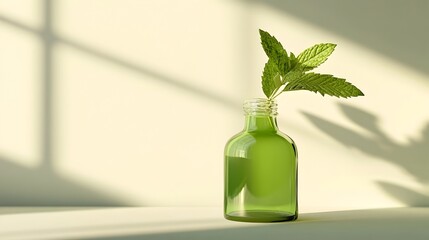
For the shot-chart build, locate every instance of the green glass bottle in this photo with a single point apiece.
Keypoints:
(260, 169)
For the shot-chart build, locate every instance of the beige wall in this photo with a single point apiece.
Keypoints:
(131, 102)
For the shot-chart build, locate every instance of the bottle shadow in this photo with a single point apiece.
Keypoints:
(393, 224)
(411, 157)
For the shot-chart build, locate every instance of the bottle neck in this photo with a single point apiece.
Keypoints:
(260, 115)
(260, 123)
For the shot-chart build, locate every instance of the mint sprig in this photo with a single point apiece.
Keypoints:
(285, 72)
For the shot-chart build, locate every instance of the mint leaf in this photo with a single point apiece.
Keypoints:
(277, 81)
(275, 51)
(324, 84)
(270, 78)
(293, 61)
(314, 56)
(290, 71)
(293, 74)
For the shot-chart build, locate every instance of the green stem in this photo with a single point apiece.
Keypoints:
(276, 93)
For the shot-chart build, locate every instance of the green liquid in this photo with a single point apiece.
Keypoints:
(261, 176)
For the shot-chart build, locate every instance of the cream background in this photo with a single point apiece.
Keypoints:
(136, 99)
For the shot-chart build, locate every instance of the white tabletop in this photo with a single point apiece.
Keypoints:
(206, 223)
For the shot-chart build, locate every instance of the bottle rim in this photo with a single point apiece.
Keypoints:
(260, 107)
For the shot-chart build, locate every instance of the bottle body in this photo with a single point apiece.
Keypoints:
(260, 173)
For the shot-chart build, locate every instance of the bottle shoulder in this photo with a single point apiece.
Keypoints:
(243, 143)
(285, 136)
(249, 138)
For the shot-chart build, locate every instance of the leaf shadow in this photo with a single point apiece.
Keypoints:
(411, 157)
(372, 24)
